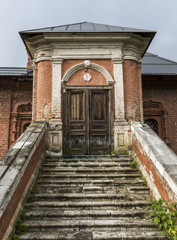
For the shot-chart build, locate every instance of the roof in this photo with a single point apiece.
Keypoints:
(15, 71)
(87, 27)
(155, 65)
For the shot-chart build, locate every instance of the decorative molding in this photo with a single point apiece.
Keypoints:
(152, 104)
(91, 65)
(25, 107)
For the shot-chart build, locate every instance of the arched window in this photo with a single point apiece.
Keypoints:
(154, 117)
(25, 126)
(20, 120)
(153, 124)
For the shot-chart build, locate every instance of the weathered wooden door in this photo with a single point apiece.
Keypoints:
(86, 122)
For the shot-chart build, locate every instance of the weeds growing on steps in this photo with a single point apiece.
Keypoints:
(164, 216)
(19, 227)
(134, 164)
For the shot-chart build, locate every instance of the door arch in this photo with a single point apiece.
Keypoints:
(87, 109)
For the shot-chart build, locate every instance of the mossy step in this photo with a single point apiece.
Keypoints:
(89, 224)
(94, 235)
(56, 213)
(65, 176)
(68, 170)
(73, 196)
(87, 164)
(85, 204)
(85, 182)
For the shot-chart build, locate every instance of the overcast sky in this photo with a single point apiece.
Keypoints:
(18, 15)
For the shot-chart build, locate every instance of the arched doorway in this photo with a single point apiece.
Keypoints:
(87, 110)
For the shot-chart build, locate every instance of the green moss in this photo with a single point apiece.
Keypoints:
(134, 164)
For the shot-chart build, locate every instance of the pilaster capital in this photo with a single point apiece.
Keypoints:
(56, 60)
(117, 60)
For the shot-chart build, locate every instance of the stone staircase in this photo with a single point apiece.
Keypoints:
(89, 198)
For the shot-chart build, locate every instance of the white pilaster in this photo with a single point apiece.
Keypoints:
(119, 89)
(55, 124)
(56, 88)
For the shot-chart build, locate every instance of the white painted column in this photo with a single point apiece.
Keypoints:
(56, 88)
(55, 132)
(119, 89)
(121, 128)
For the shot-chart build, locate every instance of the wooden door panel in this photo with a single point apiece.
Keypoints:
(77, 106)
(99, 122)
(86, 122)
(76, 122)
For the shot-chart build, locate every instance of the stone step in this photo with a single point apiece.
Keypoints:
(89, 159)
(87, 204)
(138, 189)
(103, 170)
(94, 235)
(89, 188)
(83, 182)
(91, 224)
(129, 234)
(76, 196)
(87, 164)
(84, 214)
(89, 198)
(88, 176)
(110, 195)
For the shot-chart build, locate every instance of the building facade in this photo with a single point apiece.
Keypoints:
(89, 83)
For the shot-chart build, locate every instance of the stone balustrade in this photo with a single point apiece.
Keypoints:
(157, 161)
(18, 170)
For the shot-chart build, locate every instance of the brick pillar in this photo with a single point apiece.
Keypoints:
(44, 91)
(132, 91)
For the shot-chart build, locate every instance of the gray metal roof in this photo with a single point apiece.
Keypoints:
(155, 65)
(15, 71)
(85, 27)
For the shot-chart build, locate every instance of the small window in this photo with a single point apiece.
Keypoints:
(153, 124)
(25, 126)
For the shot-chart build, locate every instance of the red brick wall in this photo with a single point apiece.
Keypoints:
(132, 91)
(164, 90)
(43, 91)
(5, 109)
(12, 93)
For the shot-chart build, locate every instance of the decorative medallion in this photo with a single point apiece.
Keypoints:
(87, 77)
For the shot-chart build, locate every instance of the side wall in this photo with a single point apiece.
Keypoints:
(13, 93)
(5, 109)
(163, 89)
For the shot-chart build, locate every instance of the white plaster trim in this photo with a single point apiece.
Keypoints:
(56, 88)
(93, 66)
(119, 89)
